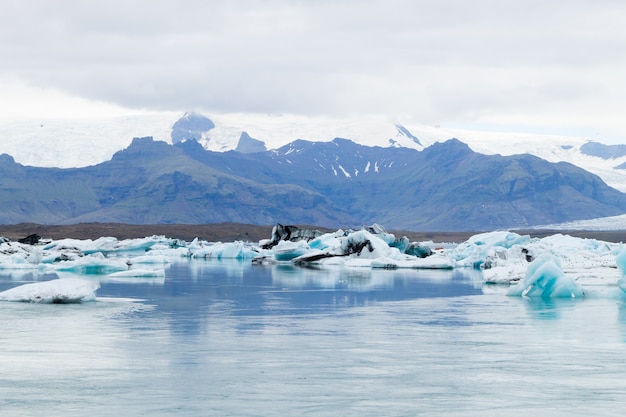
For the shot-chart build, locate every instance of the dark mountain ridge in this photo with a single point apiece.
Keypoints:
(333, 184)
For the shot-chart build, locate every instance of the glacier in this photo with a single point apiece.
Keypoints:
(558, 265)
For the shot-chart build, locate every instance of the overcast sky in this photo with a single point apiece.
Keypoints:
(555, 66)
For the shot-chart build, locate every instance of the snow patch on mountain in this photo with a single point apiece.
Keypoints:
(600, 224)
(72, 143)
(69, 143)
(279, 130)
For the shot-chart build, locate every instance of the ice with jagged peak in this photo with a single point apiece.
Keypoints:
(369, 247)
(57, 291)
(545, 279)
(481, 247)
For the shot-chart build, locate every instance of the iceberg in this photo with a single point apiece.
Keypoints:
(110, 246)
(361, 244)
(95, 264)
(503, 257)
(370, 247)
(58, 291)
(17, 261)
(288, 233)
(219, 250)
(499, 257)
(19, 256)
(136, 276)
(287, 250)
(479, 248)
(545, 279)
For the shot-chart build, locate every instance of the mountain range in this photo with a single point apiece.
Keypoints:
(80, 142)
(338, 183)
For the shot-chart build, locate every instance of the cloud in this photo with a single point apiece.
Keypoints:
(451, 61)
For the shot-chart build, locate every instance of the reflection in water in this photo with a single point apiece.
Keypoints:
(356, 279)
(227, 338)
(542, 308)
(621, 318)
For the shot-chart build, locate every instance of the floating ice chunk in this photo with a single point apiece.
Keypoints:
(545, 278)
(420, 250)
(381, 233)
(287, 250)
(35, 257)
(219, 250)
(139, 273)
(363, 248)
(318, 257)
(165, 252)
(16, 261)
(95, 264)
(110, 245)
(504, 239)
(327, 240)
(476, 250)
(58, 291)
(19, 256)
(366, 245)
(431, 262)
(505, 274)
(620, 260)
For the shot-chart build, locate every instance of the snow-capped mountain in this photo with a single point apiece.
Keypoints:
(340, 183)
(84, 142)
(277, 131)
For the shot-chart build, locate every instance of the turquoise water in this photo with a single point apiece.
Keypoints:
(230, 339)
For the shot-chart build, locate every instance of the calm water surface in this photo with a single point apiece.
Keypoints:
(230, 339)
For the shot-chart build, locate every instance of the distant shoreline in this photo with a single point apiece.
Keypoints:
(229, 232)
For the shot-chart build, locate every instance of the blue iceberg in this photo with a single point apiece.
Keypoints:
(620, 260)
(545, 279)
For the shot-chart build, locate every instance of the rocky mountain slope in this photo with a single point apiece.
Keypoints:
(446, 186)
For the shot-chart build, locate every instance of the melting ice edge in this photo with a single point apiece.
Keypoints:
(550, 267)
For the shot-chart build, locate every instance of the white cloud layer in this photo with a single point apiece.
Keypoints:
(535, 65)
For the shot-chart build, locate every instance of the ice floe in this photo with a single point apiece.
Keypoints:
(57, 291)
(555, 266)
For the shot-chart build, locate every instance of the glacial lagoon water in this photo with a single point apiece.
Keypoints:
(231, 339)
